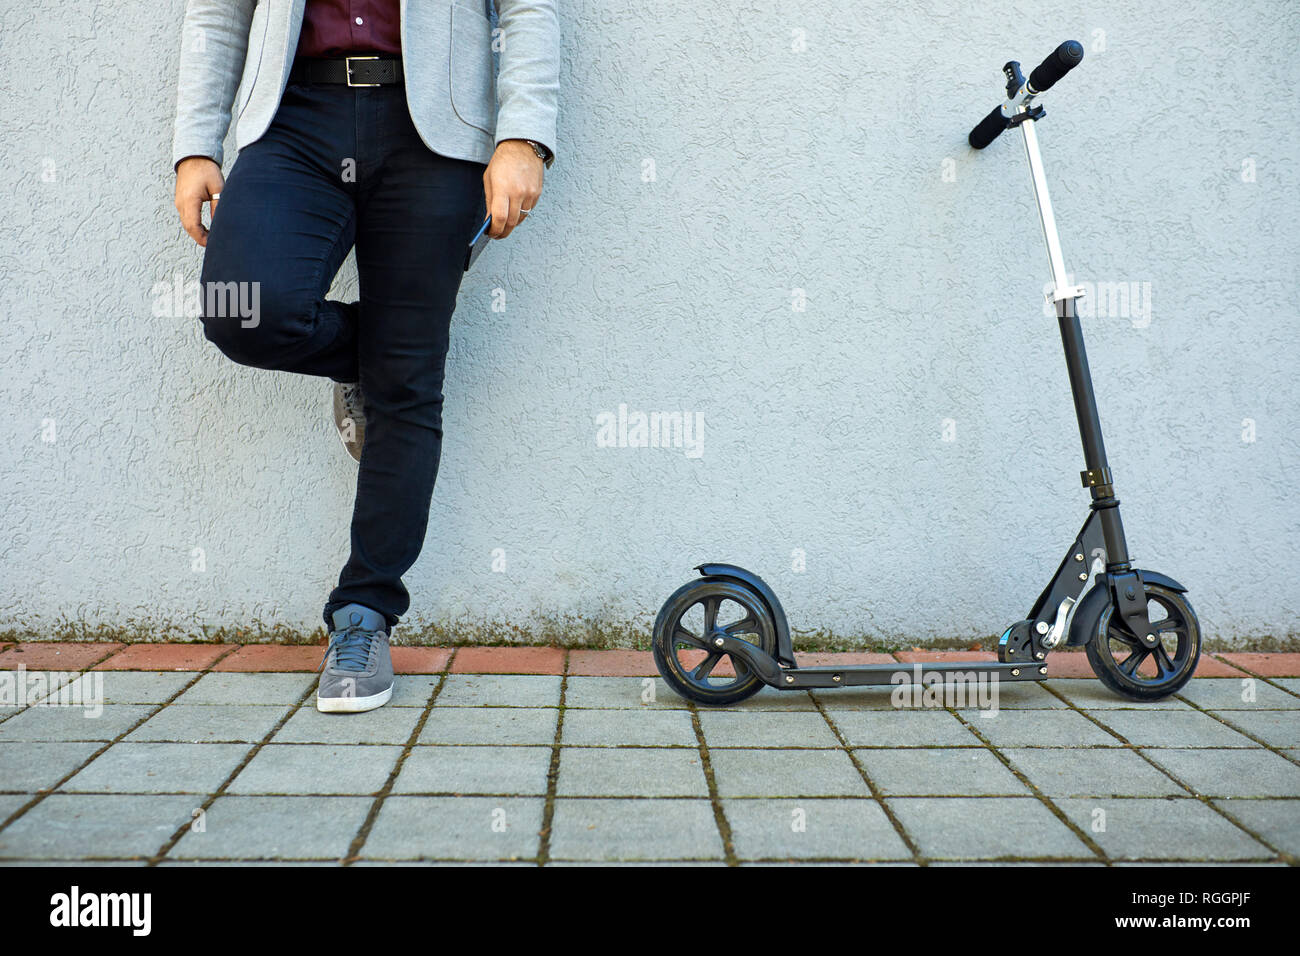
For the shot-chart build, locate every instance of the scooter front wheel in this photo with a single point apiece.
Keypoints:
(682, 652)
(1130, 668)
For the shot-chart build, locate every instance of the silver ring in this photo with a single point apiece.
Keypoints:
(525, 211)
(216, 195)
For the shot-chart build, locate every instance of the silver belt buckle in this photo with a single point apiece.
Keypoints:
(348, 63)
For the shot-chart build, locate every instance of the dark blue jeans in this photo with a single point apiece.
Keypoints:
(343, 166)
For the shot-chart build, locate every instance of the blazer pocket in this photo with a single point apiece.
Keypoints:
(472, 80)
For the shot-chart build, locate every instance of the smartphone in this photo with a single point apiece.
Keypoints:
(478, 243)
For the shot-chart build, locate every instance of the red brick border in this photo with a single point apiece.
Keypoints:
(612, 664)
(165, 657)
(1068, 664)
(420, 660)
(843, 659)
(55, 655)
(273, 657)
(1266, 665)
(508, 660)
(939, 657)
(80, 655)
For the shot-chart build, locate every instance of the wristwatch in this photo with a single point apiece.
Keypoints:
(544, 154)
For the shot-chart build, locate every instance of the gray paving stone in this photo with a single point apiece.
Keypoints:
(433, 863)
(642, 863)
(1237, 865)
(1228, 693)
(986, 828)
(413, 690)
(158, 768)
(131, 687)
(1277, 728)
(729, 728)
(243, 863)
(902, 728)
(475, 770)
(77, 863)
(769, 698)
(490, 725)
(1029, 695)
(1091, 694)
(387, 725)
(1009, 695)
(1277, 821)
(954, 772)
(604, 830)
(246, 828)
(11, 802)
(317, 768)
(456, 828)
(619, 693)
(1018, 695)
(20, 689)
(499, 690)
(237, 688)
(1290, 683)
(1231, 773)
(1164, 728)
(210, 723)
(872, 863)
(1011, 864)
(76, 826)
(1182, 829)
(72, 723)
(644, 772)
(855, 698)
(786, 773)
(1092, 773)
(824, 829)
(29, 767)
(628, 728)
(1053, 728)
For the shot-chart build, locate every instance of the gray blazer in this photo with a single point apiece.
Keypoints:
(461, 103)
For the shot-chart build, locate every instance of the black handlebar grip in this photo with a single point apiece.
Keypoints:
(989, 129)
(1058, 63)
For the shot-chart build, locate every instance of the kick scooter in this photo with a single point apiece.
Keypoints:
(1140, 633)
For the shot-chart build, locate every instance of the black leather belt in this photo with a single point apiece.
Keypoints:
(352, 70)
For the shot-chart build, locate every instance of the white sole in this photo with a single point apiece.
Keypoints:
(352, 705)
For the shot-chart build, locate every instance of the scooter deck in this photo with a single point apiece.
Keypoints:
(796, 678)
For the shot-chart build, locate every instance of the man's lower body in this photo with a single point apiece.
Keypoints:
(341, 166)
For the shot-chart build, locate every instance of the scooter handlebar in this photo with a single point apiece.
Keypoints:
(989, 129)
(1058, 63)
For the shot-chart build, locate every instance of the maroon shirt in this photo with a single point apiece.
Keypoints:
(340, 27)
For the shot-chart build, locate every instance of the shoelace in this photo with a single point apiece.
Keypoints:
(351, 647)
(353, 403)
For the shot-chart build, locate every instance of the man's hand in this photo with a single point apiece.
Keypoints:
(511, 184)
(198, 179)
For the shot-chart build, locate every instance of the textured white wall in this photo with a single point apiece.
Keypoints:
(776, 168)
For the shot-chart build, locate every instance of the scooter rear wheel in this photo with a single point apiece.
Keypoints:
(688, 663)
(1130, 668)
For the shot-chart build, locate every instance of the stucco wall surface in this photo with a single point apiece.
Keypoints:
(764, 216)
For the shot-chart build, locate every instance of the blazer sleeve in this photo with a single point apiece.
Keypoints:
(528, 75)
(214, 43)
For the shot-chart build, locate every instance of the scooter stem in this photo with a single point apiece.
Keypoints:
(1061, 289)
(1064, 295)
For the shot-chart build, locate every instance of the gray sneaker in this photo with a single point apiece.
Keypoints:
(358, 668)
(350, 417)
